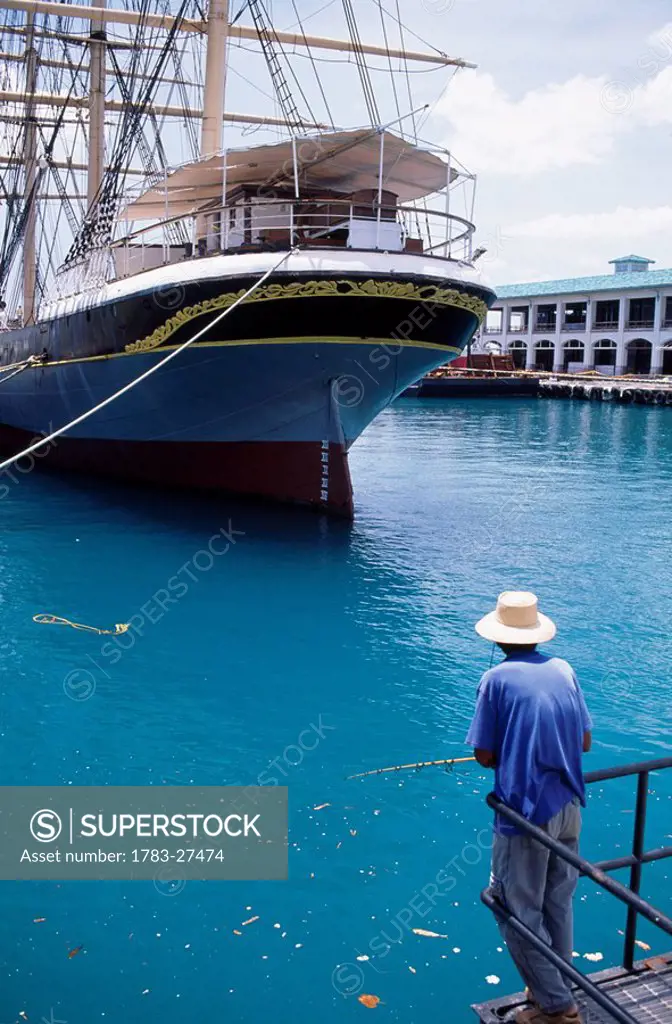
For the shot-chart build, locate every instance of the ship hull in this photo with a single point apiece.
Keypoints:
(263, 404)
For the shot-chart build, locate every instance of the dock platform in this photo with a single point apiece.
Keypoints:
(601, 389)
(645, 993)
(637, 992)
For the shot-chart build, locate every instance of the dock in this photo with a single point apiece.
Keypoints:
(645, 992)
(506, 383)
(636, 992)
(624, 390)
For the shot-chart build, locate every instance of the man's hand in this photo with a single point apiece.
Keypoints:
(587, 741)
(485, 758)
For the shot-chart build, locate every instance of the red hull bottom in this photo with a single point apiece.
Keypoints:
(312, 473)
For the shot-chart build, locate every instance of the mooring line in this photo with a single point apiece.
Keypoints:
(56, 620)
(19, 367)
(143, 376)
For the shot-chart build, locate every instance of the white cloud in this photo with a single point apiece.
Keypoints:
(625, 222)
(559, 245)
(652, 101)
(558, 125)
(555, 126)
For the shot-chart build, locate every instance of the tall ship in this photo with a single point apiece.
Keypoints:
(200, 311)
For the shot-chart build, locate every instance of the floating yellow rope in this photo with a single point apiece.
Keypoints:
(56, 620)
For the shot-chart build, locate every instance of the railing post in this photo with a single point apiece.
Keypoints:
(381, 168)
(636, 869)
(448, 231)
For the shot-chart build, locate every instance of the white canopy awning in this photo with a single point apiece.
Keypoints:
(340, 161)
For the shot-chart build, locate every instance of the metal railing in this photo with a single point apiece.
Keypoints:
(274, 224)
(545, 328)
(605, 325)
(573, 327)
(639, 325)
(598, 874)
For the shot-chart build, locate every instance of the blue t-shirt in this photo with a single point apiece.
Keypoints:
(531, 713)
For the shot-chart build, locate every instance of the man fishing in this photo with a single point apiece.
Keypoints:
(531, 725)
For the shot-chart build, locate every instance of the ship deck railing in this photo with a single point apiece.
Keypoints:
(274, 224)
(636, 992)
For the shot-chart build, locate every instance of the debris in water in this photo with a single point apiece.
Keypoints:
(22, 1013)
(276, 925)
(236, 932)
(456, 949)
(642, 945)
(145, 992)
(38, 920)
(363, 957)
(353, 831)
(412, 970)
(250, 920)
(429, 935)
(370, 1001)
(492, 979)
(75, 951)
(320, 807)
(595, 957)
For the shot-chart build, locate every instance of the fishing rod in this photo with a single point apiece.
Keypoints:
(412, 767)
(420, 764)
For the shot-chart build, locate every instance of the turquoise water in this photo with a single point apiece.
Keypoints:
(365, 634)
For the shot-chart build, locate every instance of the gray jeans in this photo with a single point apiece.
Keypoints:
(537, 886)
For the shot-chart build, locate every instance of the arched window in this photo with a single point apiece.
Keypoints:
(604, 352)
(518, 352)
(667, 358)
(544, 354)
(573, 352)
(639, 352)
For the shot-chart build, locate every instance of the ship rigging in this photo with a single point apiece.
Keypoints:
(124, 229)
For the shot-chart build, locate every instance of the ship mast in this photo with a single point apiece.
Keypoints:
(97, 68)
(30, 166)
(215, 78)
(165, 21)
(220, 35)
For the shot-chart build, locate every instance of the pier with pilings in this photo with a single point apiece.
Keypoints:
(623, 390)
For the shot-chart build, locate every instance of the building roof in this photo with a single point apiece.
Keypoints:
(631, 259)
(584, 285)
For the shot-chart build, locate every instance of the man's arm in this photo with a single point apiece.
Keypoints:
(482, 735)
(486, 758)
(587, 741)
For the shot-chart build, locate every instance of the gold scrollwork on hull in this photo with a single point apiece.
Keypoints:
(315, 289)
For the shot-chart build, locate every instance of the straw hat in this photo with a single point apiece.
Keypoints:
(516, 620)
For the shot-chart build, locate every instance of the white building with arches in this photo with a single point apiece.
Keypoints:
(614, 323)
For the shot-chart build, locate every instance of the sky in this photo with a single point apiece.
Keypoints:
(567, 121)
